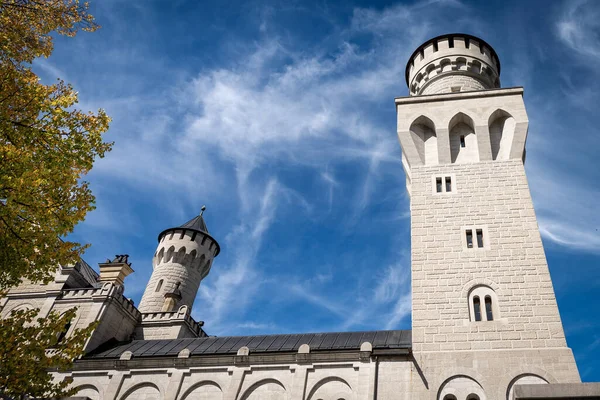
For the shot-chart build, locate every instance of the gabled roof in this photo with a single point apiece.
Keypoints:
(381, 340)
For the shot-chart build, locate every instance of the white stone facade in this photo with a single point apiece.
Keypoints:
(484, 313)
(182, 259)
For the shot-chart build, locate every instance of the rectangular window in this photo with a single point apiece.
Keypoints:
(479, 238)
(469, 238)
(462, 140)
(448, 184)
(438, 185)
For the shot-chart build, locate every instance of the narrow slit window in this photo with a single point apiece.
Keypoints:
(159, 285)
(488, 308)
(469, 238)
(477, 308)
(479, 238)
(438, 185)
(194, 236)
(462, 140)
(448, 184)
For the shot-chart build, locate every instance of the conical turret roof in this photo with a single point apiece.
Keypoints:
(197, 224)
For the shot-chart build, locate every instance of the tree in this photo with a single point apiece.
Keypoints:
(30, 347)
(46, 147)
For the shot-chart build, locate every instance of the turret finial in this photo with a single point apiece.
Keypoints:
(202, 210)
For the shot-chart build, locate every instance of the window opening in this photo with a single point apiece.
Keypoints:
(462, 140)
(479, 238)
(451, 42)
(469, 238)
(61, 335)
(448, 184)
(488, 308)
(172, 233)
(438, 185)
(194, 236)
(159, 285)
(477, 308)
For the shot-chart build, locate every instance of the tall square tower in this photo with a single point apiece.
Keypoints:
(483, 306)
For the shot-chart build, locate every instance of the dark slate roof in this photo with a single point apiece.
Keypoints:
(381, 340)
(196, 223)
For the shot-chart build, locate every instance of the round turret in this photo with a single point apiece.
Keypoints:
(183, 258)
(452, 63)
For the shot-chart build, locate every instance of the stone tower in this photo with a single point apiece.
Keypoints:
(483, 305)
(183, 258)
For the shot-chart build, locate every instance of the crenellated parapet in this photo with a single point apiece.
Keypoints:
(452, 63)
(169, 325)
(103, 293)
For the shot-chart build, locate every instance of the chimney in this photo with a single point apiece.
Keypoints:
(116, 270)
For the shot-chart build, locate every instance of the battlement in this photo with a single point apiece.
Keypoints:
(172, 325)
(452, 63)
(108, 290)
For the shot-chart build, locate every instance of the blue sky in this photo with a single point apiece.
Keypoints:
(279, 116)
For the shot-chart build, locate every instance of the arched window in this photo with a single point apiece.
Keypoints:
(488, 308)
(449, 397)
(62, 334)
(180, 256)
(502, 129)
(472, 396)
(160, 256)
(463, 141)
(477, 308)
(170, 253)
(422, 131)
(158, 285)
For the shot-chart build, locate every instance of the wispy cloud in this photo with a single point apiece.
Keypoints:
(579, 28)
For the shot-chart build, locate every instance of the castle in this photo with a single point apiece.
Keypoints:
(485, 323)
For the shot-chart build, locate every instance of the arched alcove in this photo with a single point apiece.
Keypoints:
(180, 256)
(331, 388)
(502, 130)
(191, 259)
(201, 261)
(160, 256)
(170, 253)
(268, 389)
(463, 142)
(88, 391)
(206, 390)
(461, 387)
(524, 379)
(422, 131)
(146, 391)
